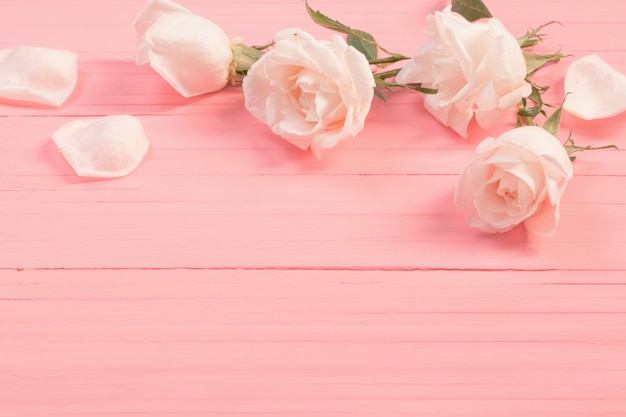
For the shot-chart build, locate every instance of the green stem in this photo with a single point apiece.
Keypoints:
(389, 60)
(387, 74)
(263, 47)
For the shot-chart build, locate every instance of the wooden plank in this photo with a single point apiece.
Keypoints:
(295, 343)
(234, 275)
(278, 221)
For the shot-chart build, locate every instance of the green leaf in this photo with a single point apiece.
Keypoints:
(365, 44)
(362, 41)
(471, 9)
(325, 21)
(364, 37)
(535, 62)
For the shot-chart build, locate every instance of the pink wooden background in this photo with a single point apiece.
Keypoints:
(234, 275)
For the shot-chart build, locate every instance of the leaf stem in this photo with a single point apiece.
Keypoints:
(388, 60)
(387, 74)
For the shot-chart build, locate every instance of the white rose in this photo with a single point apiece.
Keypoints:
(312, 93)
(519, 177)
(190, 52)
(478, 69)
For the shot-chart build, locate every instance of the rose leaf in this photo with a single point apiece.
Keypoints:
(364, 43)
(471, 9)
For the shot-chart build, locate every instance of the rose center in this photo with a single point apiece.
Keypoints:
(510, 197)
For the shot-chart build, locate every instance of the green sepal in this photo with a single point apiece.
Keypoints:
(535, 62)
(533, 37)
(381, 82)
(245, 56)
(471, 9)
(572, 148)
(380, 95)
(553, 122)
(526, 113)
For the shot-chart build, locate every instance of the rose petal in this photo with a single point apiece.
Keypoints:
(104, 147)
(152, 11)
(40, 75)
(191, 53)
(545, 220)
(597, 89)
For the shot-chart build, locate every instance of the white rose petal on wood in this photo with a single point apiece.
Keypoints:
(36, 74)
(596, 89)
(103, 147)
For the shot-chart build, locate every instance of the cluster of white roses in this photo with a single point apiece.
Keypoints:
(317, 94)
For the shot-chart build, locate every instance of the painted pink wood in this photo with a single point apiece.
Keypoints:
(307, 343)
(234, 275)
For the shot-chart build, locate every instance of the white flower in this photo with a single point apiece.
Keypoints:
(103, 147)
(478, 69)
(519, 177)
(597, 89)
(40, 75)
(190, 52)
(312, 93)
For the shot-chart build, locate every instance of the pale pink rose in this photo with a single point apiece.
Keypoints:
(519, 177)
(190, 52)
(312, 93)
(478, 69)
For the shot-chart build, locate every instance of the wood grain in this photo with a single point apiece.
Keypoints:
(306, 342)
(234, 275)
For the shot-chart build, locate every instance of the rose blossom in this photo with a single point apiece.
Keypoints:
(519, 177)
(478, 69)
(312, 93)
(190, 52)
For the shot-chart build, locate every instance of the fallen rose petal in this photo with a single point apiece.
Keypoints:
(35, 74)
(103, 147)
(596, 89)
